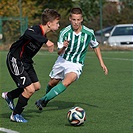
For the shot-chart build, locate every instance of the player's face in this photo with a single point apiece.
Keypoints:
(76, 20)
(54, 25)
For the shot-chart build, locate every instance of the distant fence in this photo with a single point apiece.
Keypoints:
(11, 28)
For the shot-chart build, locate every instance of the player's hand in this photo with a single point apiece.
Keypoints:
(104, 69)
(50, 46)
(65, 43)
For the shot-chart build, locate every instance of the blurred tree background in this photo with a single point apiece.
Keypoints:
(13, 11)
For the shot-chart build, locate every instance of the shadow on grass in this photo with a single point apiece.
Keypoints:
(5, 115)
(52, 105)
(60, 105)
(64, 104)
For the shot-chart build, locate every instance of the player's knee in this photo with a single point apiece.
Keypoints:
(37, 86)
(29, 91)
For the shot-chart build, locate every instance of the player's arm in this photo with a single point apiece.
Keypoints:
(65, 45)
(98, 53)
(50, 46)
(62, 43)
(94, 44)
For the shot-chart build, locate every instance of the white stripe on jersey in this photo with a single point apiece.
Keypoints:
(64, 32)
(78, 57)
(72, 45)
(77, 48)
(68, 39)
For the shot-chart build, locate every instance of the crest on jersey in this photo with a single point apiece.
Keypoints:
(82, 39)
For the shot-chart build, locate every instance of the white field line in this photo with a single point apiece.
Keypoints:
(107, 58)
(121, 59)
(7, 130)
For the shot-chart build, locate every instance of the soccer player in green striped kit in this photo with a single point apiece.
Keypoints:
(73, 44)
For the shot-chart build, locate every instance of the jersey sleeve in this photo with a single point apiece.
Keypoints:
(93, 41)
(60, 40)
(30, 33)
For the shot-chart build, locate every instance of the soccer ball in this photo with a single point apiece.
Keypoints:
(76, 116)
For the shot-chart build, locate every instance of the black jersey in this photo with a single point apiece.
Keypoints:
(28, 44)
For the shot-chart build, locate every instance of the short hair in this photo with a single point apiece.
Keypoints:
(49, 15)
(76, 10)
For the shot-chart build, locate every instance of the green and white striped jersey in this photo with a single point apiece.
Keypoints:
(78, 43)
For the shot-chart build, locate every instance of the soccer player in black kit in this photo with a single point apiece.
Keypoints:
(20, 63)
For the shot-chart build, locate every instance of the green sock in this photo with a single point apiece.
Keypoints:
(55, 91)
(48, 88)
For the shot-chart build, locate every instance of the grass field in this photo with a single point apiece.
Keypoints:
(107, 100)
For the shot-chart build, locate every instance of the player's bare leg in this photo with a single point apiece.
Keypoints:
(69, 78)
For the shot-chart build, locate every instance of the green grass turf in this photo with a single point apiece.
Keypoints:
(107, 100)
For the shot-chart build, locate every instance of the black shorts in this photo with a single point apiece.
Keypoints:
(22, 73)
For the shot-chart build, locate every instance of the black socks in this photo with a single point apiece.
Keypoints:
(22, 102)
